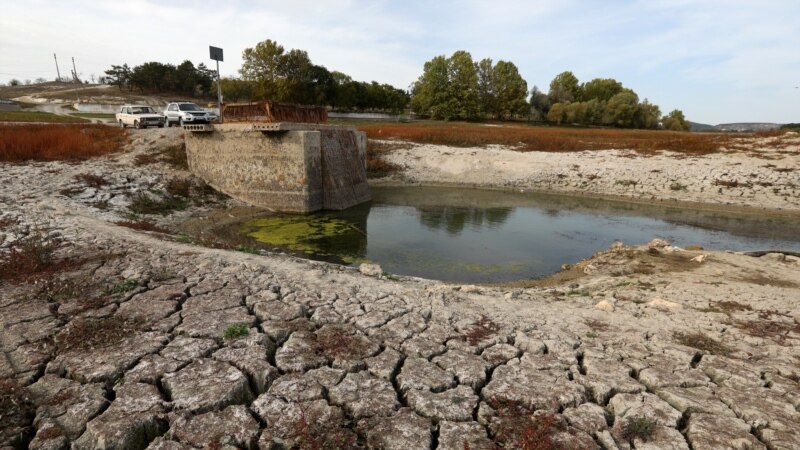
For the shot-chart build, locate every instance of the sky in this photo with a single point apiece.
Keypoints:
(718, 61)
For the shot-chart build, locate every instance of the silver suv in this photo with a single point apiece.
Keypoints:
(186, 113)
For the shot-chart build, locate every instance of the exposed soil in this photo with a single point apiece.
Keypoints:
(146, 341)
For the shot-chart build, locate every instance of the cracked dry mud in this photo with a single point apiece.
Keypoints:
(706, 355)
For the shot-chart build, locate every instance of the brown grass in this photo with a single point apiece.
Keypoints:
(6, 222)
(377, 166)
(89, 333)
(339, 341)
(51, 432)
(62, 396)
(516, 426)
(547, 139)
(179, 187)
(173, 155)
(777, 332)
(59, 290)
(58, 142)
(731, 183)
(482, 329)
(29, 257)
(701, 342)
(730, 306)
(596, 325)
(769, 133)
(142, 225)
(311, 433)
(92, 180)
(763, 280)
(17, 411)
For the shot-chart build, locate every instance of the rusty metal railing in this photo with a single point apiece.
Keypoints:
(270, 112)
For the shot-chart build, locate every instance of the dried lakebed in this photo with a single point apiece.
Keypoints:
(138, 341)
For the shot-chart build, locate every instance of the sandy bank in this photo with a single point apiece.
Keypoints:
(764, 177)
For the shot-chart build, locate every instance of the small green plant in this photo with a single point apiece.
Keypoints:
(144, 204)
(391, 276)
(236, 331)
(676, 186)
(247, 249)
(123, 287)
(641, 427)
(578, 294)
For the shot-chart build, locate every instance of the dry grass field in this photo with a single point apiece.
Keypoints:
(58, 142)
(552, 139)
(37, 116)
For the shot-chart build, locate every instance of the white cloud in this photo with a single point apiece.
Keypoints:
(718, 60)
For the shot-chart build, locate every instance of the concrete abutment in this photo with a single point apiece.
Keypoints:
(288, 167)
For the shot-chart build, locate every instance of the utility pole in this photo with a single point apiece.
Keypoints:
(57, 71)
(74, 71)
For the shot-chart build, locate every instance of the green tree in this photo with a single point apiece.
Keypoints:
(294, 78)
(262, 64)
(235, 89)
(510, 89)
(648, 115)
(430, 94)
(119, 76)
(186, 78)
(154, 76)
(463, 85)
(621, 109)
(564, 88)
(540, 104)
(557, 114)
(600, 89)
(675, 121)
(487, 97)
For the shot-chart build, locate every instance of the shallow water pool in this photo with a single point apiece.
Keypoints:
(480, 236)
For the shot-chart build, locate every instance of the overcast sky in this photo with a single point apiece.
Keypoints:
(717, 60)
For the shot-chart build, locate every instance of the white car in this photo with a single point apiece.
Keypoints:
(139, 117)
(187, 113)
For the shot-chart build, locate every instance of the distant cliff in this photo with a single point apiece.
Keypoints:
(741, 126)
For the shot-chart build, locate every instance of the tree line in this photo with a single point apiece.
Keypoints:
(460, 88)
(185, 78)
(455, 87)
(599, 102)
(270, 72)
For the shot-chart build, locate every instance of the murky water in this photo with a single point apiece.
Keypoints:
(470, 235)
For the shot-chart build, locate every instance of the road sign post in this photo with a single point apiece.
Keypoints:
(216, 55)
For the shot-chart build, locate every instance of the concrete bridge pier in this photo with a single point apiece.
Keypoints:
(286, 167)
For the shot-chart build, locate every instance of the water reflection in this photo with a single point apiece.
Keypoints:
(487, 236)
(453, 219)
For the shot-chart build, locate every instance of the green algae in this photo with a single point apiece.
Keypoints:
(315, 235)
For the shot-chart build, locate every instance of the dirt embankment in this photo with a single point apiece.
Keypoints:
(765, 176)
